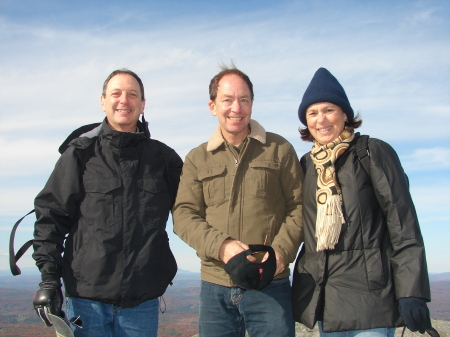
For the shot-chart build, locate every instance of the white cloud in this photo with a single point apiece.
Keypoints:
(27, 156)
(392, 60)
(19, 229)
(429, 160)
(16, 202)
(431, 199)
(424, 16)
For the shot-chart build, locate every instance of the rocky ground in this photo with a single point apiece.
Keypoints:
(443, 327)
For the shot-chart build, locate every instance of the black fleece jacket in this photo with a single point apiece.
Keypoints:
(102, 215)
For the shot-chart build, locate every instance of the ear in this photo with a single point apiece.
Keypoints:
(102, 102)
(143, 106)
(212, 108)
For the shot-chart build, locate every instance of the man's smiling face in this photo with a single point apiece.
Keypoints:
(233, 108)
(123, 103)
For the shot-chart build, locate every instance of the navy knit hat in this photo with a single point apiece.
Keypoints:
(324, 87)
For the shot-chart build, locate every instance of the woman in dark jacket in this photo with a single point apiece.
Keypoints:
(362, 267)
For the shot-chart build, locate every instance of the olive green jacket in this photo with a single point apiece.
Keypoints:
(253, 196)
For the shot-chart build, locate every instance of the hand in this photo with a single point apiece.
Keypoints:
(280, 262)
(48, 299)
(231, 248)
(415, 313)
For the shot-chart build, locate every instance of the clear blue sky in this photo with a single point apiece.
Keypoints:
(392, 57)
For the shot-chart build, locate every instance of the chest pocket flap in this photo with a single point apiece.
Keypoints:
(98, 207)
(211, 172)
(265, 164)
(153, 185)
(213, 179)
(263, 178)
(101, 185)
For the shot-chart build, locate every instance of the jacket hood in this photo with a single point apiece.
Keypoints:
(93, 130)
(256, 131)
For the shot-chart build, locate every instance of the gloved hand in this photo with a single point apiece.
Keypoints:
(415, 313)
(48, 299)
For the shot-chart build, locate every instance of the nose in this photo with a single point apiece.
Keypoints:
(321, 117)
(236, 107)
(123, 98)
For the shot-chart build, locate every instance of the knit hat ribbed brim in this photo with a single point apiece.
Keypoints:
(324, 87)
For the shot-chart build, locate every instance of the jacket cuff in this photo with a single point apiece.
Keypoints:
(51, 272)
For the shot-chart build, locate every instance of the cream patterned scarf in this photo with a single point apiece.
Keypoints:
(329, 196)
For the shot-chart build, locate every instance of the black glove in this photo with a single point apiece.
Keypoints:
(48, 299)
(415, 313)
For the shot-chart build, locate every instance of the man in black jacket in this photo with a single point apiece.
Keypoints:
(101, 221)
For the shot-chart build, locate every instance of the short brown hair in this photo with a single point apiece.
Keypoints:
(127, 72)
(355, 123)
(225, 70)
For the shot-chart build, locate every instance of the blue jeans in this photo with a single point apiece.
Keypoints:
(229, 311)
(380, 332)
(106, 320)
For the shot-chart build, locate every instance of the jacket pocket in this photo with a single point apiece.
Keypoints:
(78, 244)
(374, 267)
(213, 179)
(101, 207)
(153, 185)
(262, 180)
(78, 260)
(154, 202)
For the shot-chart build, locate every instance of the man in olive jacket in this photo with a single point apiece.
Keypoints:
(241, 187)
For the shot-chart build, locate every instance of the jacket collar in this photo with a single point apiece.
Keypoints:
(120, 137)
(141, 129)
(256, 131)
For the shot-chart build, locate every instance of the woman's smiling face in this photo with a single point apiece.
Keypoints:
(325, 121)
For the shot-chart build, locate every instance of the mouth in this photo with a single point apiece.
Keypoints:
(324, 129)
(123, 111)
(236, 119)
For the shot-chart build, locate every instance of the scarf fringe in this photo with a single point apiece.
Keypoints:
(329, 223)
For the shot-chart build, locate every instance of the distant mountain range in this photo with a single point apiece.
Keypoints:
(439, 276)
(17, 317)
(35, 271)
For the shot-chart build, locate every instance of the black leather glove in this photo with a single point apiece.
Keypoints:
(415, 313)
(48, 299)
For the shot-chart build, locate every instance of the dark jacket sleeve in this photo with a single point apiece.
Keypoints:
(174, 165)
(56, 208)
(391, 186)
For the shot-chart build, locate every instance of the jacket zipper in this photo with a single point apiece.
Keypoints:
(232, 193)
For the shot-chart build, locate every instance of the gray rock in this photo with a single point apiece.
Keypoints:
(443, 327)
